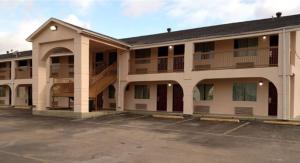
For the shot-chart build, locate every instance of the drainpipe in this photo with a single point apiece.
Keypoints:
(285, 82)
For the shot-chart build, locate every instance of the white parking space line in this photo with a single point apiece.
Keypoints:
(236, 128)
(25, 156)
(179, 122)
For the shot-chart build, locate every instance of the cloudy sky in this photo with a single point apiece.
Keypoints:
(126, 18)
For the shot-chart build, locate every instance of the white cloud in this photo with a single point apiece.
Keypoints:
(15, 39)
(140, 7)
(207, 12)
(84, 5)
(73, 19)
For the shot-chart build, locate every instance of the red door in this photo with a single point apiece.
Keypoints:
(162, 97)
(177, 98)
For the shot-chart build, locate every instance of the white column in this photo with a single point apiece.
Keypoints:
(81, 75)
(284, 40)
(123, 70)
(188, 59)
(170, 98)
(39, 79)
(12, 86)
(188, 98)
(121, 95)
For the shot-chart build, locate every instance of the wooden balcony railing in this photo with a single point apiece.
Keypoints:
(157, 65)
(62, 70)
(244, 58)
(23, 72)
(5, 73)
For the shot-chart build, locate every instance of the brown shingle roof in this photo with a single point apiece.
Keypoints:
(211, 31)
(26, 53)
(218, 30)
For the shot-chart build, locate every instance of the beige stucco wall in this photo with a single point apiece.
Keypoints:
(223, 103)
(224, 54)
(189, 78)
(295, 80)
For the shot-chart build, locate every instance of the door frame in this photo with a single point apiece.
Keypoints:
(178, 100)
(162, 94)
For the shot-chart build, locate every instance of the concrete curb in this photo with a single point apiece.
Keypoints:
(220, 119)
(293, 123)
(167, 116)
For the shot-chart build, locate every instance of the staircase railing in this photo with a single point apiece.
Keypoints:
(110, 70)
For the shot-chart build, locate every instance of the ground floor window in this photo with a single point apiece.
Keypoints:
(244, 91)
(2, 92)
(111, 92)
(141, 92)
(204, 92)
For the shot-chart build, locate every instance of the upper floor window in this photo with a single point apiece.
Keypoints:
(2, 65)
(142, 56)
(142, 53)
(55, 60)
(204, 92)
(274, 41)
(179, 50)
(141, 92)
(163, 51)
(244, 91)
(245, 47)
(205, 49)
(99, 57)
(22, 63)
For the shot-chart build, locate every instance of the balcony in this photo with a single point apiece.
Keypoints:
(5, 73)
(23, 72)
(235, 59)
(62, 70)
(157, 65)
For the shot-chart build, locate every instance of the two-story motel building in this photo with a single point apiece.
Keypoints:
(244, 69)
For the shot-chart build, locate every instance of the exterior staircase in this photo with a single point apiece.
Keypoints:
(102, 80)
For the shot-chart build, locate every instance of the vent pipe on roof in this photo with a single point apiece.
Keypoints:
(278, 14)
(169, 30)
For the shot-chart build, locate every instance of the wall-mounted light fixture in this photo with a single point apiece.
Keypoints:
(53, 28)
(170, 47)
(260, 83)
(169, 84)
(264, 37)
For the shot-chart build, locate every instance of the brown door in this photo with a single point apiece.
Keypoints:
(162, 97)
(272, 100)
(177, 98)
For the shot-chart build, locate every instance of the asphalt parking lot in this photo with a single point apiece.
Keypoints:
(141, 138)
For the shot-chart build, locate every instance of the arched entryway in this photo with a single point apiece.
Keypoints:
(5, 95)
(160, 96)
(62, 96)
(235, 96)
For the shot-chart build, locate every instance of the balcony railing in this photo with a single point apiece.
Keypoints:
(244, 58)
(5, 73)
(156, 65)
(62, 71)
(23, 72)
